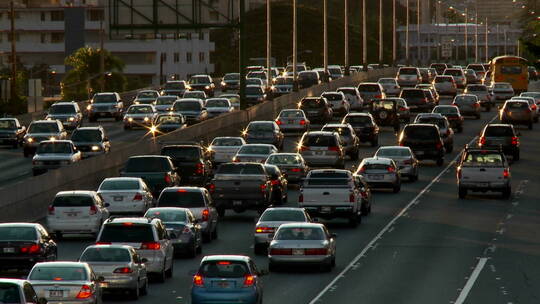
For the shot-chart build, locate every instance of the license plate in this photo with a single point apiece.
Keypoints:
(326, 209)
(237, 203)
(376, 177)
(118, 198)
(56, 293)
(298, 251)
(71, 214)
(223, 284)
(9, 250)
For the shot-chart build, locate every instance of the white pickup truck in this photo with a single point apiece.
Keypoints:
(330, 194)
(483, 170)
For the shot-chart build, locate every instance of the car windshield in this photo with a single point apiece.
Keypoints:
(262, 150)
(86, 136)
(393, 152)
(227, 142)
(465, 99)
(194, 94)
(340, 130)
(277, 215)
(62, 109)
(502, 86)
(284, 81)
(369, 88)
(407, 71)
(9, 294)
(477, 88)
(54, 147)
(384, 104)
(161, 101)
(187, 106)
(181, 198)
(498, 131)
(140, 110)
(182, 153)
(127, 233)
(257, 74)
(484, 158)
(254, 81)
(421, 132)
(241, 169)
(223, 269)
(17, 233)
(440, 79)
(430, 120)
(254, 91)
(174, 86)
(360, 120)
(332, 96)
(104, 98)
(308, 75)
(231, 77)
(334, 71)
(169, 119)
(147, 164)
(169, 216)
(106, 255)
(8, 124)
(73, 201)
(281, 159)
(454, 72)
(300, 234)
(311, 103)
(217, 103)
(322, 140)
(199, 80)
(58, 273)
(291, 114)
(418, 93)
(116, 185)
(147, 94)
(445, 110)
(260, 127)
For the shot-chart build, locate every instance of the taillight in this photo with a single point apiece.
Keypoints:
(362, 169)
(51, 210)
(103, 243)
(263, 187)
(93, 210)
(211, 188)
(205, 214)
(476, 105)
(528, 110)
(280, 251)
(249, 280)
(304, 148)
(515, 141)
(264, 230)
(199, 168)
(352, 199)
(482, 141)
(167, 179)
(236, 159)
(402, 109)
(301, 198)
(278, 122)
(123, 270)
(34, 248)
(334, 148)
(296, 170)
(85, 292)
(151, 246)
(302, 122)
(378, 96)
(391, 169)
(438, 146)
(316, 251)
(198, 280)
(506, 173)
(138, 197)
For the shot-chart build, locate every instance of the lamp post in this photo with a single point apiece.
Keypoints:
(380, 33)
(418, 47)
(466, 43)
(394, 34)
(364, 35)
(407, 55)
(346, 38)
(325, 38)
(268, 44)
(295, 84)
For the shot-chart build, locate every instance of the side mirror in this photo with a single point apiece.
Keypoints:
(333, 235)
(144, 260)
(107, 205)
(101, 279)
(105, 138)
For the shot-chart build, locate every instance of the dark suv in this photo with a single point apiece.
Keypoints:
(505, 136)
(307, 79)
(190, 161)
(364, 126)
(416, 99)
(317, 109)
(424, 140)
(156, 170)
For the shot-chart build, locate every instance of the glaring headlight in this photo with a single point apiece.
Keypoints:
(146, 119)
(72, 119)
(52, 138)
(89, 107)
(223, 83)
(207, 87)
(130, 119)
(96, 148)
(29, 139)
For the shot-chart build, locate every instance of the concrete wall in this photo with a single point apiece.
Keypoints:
(28, 199)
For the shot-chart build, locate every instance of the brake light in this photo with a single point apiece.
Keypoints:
(316, 251)
(167, 179)
(515, 141)
(199, 168)
(123, 270)
(85, 292)
(476, 105)
(275, 182)
(205, 215)
(402, 109)
(138, 197)
(34, 248)
(93, 210)
(278, 122)
(264, 230)
(51, 210)
(103, 243)
(378, 96)
(335, 148)
(198, 280)
(391, 169)
(352, 199)
(249, 280)
(263, 187)
(296, 170)
(301, 198)
(211, 188)
(236, 159)
(280, 251)
(302, 122)
(224, 263)
(304, 148)
(438, 146)
(151, 246)
(506, 173)
(362, 169)
(482, 141)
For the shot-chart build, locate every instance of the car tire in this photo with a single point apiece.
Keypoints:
(326, 267)
(440, 162)
(92, 119)
(462, 192)
(214, 233)
(507, 192)
(118, 118)
(515, 156)
(207, 237)
(365, 209)
(127, 128)
(160, 277)
(488, 108)
(259, 249)
(144, 288)
(169, 272)
(396, 188)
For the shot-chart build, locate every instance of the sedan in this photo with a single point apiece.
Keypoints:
(452, 114)
(302, 244)
(166, 123)
(18, 291)
(293, 120)
(11, 132)
(502, 91)
(223, 149)
(292, 164)
(126, 195)
(164, 103)
(403, 157)
(263, 132)
(139, 115)
(380, 173)
(91, 141)
(390, 86)
(350, 141)
(254, 153)
(218, 106)
(467, 105)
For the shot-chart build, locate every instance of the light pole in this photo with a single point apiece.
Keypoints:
(394, 34)
(505, 43)
(295, 84)
(325, 38)
(268, 44)
(476, 37)
(380, 34)
(346, 55)
(486, 40)
(418, 47)
(466, 44)
(498, 41)
(407, 55)
(364, 36)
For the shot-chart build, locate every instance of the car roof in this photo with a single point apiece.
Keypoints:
(301, 225)
(76, 192)
(19, 282)
(285, 208)
(395, 147)
(136, 220)
(94, 128)
(358, 114)
(259, 145)
(34, 225)
(499, 125)
(50, 121)
(116, 246)
(119, 178)
(320, 133)
(61, 141)
(62, 263)
(430, 115)
(377, 160)
(337, 125)
(329, 170)
(144, 156)
(63, 103)
(186, 188)
(161, 209)
(421, 125)
(227, 257)
(262, 122)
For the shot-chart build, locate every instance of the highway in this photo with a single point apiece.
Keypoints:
(422, 245)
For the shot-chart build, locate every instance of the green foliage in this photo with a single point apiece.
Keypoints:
(16, 106)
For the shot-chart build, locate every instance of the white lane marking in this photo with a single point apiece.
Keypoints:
(384, 230)
(470, 282)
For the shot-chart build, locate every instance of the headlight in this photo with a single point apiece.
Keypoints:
(29, 140)
(52, 138)
(207, 87)
(130, 119)
(89, 107)
(96, 148)
(146, 119)
(223, 83)
(72, 119)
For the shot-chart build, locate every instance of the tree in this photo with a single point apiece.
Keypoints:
(84, 79)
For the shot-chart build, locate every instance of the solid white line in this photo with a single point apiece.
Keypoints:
(470, 282)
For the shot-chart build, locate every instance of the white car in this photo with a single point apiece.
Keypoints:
(380, 172)
(502, 91)
(338, 102)
(126, 195)
(223, 149)
(76, 212)
(139, 115)
(53, 154)
(353, 97)
(218, 106)
(390, 86)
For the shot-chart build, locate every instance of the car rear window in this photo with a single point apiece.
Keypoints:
(9, 293)
(419, 93)
(169, 215)
(369, 88)
(407, 71)
(332, 96)
(421, 132)
(254, 90)
(311, 104)
(430, 120)
(277, 215)
(241, 169)
(260, 127)
(223, 269)
(291, 114)
(182, 153)
(284, 159)
(477, 88)
(227, 142)
(181, 198)
(320, 140)
(127, 233)
(58, 273)
(375, 166)
(445, 110)
(393, 152)
(358, 120)
(465, 99)
(147, 164)
(119, 185)
(328, 178)
(440, 79)
(341, 131)
(106, 255)
(483, 158)
(453, 72)
(300, 233)
(18, 234)
(498, 131)
(517, 105)
(73, 201)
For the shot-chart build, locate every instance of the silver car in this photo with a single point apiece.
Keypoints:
(293, 120)
(483, 94)
(403, 157)
(532, 104)
(39, 131)
(459, 76)
(194, 94)
(408, 76)
(254, 153)
(302, 244)
(147, 97)
(120, 266)
(53, 154)
(502, 91)
(322, 149)
(356, 102)
(66, 282)
(126, 195)
(380, 173)
(467, 105)
(445, 85)
(270, 221)
(350, 141)
(218, 106)
(282, 85)
(338, 102)
(223, 149)
(139, 115)
(68, 113)
(390, 86)
(292, 164)
(164, 103)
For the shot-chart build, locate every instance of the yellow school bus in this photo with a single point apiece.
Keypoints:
(511, 69)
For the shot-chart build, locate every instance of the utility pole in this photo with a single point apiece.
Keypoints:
(505, 43)
(498, 41)
(407, 55)
(268, 44)
(418, 47)
(13, 53)
(429, 27)
(346, 9)
(466, 36)
(394, 34)
(486, 40)
(325, 39)
(476, 37)
(242, 49)
(102, 57)
(294, 46)
(364, 36)
(380, 34)
(437, 26)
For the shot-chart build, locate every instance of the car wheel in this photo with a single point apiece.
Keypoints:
(488, 108)
(462, 192)
(365, 209)
(135, 293)
(326, 267)
(515, 156)
(169, 272)
(160, 277)
(507, 192)
(440, 162)
(207, 237)
(259, 249)
(477, 116)
(144, 288)
(396, 188)
(354, 155)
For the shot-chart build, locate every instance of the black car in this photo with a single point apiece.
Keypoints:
(230, 81)
(279, 184)
(416, 99)
(263, 132)
(424, 140)
(11, 132)
(202, 83)
(364, 126)
(505, 136)
(317, 109)
(385, 112)
(190, 161)
(307, 79)
(174, 87)
(24, 244)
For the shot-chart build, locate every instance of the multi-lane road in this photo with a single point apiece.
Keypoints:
(421, 245)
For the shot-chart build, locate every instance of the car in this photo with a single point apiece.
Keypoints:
(292, 164)
(53, 154)
(386, 113)
(500, 136)
(364, 126)
(191, 162)
(302, 244)
(533, 73)
(174, 88)
(349, 140)
(431, 99)
(270, 220)
(227, 278)
(478, 69)
(532, 103)
(502, 91)
(453, 115)
(223, 149)
(403, 110)
(425, 73)
(468, 105)
(76, 212)
(292, 120)
(158, 171)
(68, 113)
(370, 91)
(254, 153)
(335, 71)
(107, 104)
(481, 91)
(320, 148)
(199, 202)
(192, 109)
(91, 141)
(218, 106)
(12, 132)
(417, 99)
(202, 82)
(18, 291)
(255, 94)
(66, 282)
(164, 103)
(308, 79)
(39, 131)
(299, 68)
(120, 266)
(148, 236)
(535, 95)
(165, 123)
(390, 86)
(487, 77)
(446, 132)
(517, 112)
(234, 99)
(194, 94)
(432, 74)
(445, 85)
(356, 103)
(260, 75)
(183, 227)
(471, 77)
(263, 132)
(404, 159)
(324, 75)
(256, 82)
(482, 170)
(408, 76)
(146, 97)
(125, 195)
(282, 85)
(459, 76)
(380, 172)
(317, 109)
(24, 244)
(279, 184)
(338, 102)
(139, 115)
(424, 140)
(230, 81)
(439, 67)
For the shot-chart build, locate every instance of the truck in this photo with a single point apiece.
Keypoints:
(334, 193)
(156, 170)
(241, 186)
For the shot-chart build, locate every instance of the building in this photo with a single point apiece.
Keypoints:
(499, 11)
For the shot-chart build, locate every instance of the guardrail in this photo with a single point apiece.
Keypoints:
(28, 200)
